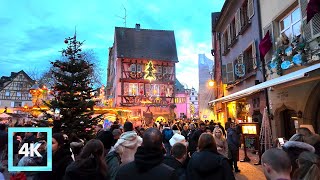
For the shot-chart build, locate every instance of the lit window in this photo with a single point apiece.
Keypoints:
(290, 25)
(18, 93)
(133, 89)
(7, 93)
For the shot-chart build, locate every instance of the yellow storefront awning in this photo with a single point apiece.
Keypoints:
(273, 82)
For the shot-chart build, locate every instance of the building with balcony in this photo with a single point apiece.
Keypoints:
(141, 72)
(235, 37)
(292, 65)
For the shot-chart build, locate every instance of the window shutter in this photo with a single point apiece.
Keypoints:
(229, 35)
(316, 25)
(230, 73)
(224, 74)
(250, 11)
(306, 29)
(12, 104)
(254, 55)
(238, 21)
(222, 43)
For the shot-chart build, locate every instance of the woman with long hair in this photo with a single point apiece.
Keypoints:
(61, 158)
(308, 167)
(90, 164)
(221, 142)
(207, 163)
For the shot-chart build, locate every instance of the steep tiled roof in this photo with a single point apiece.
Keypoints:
(145, 44)
(5, 79)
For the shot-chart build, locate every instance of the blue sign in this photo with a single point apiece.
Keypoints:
(29, 149)
(240, 70)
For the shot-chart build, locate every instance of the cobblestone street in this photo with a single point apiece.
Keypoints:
(249, 171)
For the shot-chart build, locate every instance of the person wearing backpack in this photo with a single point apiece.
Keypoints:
(167, 134)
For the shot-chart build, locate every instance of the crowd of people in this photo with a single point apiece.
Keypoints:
(178, 150)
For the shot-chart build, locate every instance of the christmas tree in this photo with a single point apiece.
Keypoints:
(72, 91)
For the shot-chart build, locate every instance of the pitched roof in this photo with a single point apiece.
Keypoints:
(5, 79)
(145, 44)
(178, 86)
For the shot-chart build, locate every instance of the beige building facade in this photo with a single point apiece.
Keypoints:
(14, 91)
(295, 55)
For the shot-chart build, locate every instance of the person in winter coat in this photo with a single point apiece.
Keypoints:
(294, 149)
(185, 132)
(76, 144)
(192, 141)
(90, 165)
(61, 158)
(99, 130)
(309, 167)
(167, 134)
(177, 158)
(233, 146)
(221, 142)
(276, 164)
(207, 163)
(148, 160)
(128, 143)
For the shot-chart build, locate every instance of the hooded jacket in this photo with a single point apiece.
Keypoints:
(127, 145)
(209, 165)
(294, 149)
(147, 165)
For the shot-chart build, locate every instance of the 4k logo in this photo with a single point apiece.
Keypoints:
(30, 150)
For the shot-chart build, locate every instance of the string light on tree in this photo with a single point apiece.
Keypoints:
(150, 70)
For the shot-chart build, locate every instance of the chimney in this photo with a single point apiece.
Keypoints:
(138, 26)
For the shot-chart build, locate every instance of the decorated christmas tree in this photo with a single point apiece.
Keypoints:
(72, 92)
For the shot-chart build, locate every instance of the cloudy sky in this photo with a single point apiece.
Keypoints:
(32, 32)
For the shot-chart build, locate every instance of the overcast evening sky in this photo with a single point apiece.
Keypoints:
(32, 31)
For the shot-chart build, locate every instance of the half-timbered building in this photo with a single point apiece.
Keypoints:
(141, 71)
(14, 90)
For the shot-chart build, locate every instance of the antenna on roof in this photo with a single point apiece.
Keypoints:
(125, 16)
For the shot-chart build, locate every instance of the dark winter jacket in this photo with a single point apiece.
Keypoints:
(185, 134)
(193, 141)
(147, 165)
(113, 161)
(175, 164)
(83, 170)
(314, 140)
(209, 165)
(3, 140)
(233, 140)
(294, 149)
(60, 160)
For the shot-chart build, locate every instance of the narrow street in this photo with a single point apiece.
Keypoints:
(248, 169)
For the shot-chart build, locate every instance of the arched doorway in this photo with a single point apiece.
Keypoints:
(283, 121)
(311, 113)
(287, 123)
